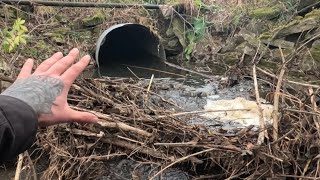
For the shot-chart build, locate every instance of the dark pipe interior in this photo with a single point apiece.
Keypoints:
(131, 44)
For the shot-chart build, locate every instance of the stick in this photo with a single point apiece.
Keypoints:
(314, 108)
(292, 82)
(105, 122)
(151, 80)
(134, 147)
(276, 98)
(80, 4)
(124, 127)
(33, 169)
(194, 144)
(262, 132)
(19, 166)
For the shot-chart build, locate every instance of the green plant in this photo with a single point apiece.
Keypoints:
(14, 37)
(194, 35)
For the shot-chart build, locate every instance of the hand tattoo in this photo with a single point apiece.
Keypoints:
(38, 91)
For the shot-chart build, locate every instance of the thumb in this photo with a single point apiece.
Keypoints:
(82, 117)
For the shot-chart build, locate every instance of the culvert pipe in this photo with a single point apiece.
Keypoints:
(128, 43)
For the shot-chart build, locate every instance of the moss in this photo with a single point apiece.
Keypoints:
(266, 35)
(315, 51)
(94, 20)
(272, 66)
(40, 50)
(266, 12)
(298, 18)
(61, 18)
(296, 74)
(313, 14)
(230, 58)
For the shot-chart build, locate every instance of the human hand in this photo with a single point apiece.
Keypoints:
(47, 88)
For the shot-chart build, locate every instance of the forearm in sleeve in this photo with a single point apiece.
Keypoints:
(18, 127)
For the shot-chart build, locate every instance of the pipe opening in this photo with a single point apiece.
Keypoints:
(129, 44)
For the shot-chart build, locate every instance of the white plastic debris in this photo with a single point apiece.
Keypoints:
(245, 118)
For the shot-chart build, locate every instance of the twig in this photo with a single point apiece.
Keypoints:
(294, 176)
(19, 167)
(142, 149)
(156, 70)
(273, 157)
(292, 82)
(305, 168)
(180, 160)
(79, 4)
(124, 127)
(284, 136)
(263, 131)
(149, 86)
(133, 73)
(314, 108)
(195, 144)
(299, 111)
(188, 70)
(198, 112)
(32, 166)
(276, 98)
(105, 122)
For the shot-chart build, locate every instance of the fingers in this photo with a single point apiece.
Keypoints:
(26, 69)
(75, 70)
(82, 117)
(63, 64)
(67, 116)
(45, 65)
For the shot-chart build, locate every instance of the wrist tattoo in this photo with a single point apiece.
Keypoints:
(39, 92)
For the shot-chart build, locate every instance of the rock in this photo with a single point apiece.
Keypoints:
(276, 54)
(266, 12)
(173, 43)
(315, 51)
(170, 32)
(309, 22)
(179, 30)
(230, 58)
(270, 65)
(245, 42)
(172, 47)
(94, 20)
(232, 44)
(279, 43)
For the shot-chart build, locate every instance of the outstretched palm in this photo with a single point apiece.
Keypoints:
(47, 88)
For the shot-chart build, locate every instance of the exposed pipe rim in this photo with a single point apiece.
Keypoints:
(155, 48)
(102, 38)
